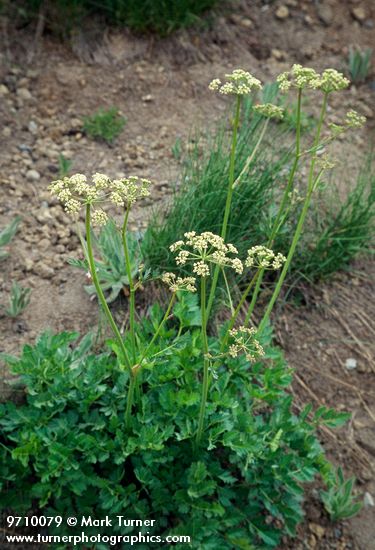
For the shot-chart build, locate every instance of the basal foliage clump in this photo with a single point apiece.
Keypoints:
(174, 419)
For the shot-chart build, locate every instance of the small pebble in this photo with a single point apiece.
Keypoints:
(32, 175)
(368, 501)
(282, 12)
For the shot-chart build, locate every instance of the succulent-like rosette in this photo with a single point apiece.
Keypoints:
(205, 249)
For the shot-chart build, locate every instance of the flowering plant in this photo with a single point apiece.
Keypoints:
(189, 418)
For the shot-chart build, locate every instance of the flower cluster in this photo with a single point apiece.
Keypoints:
(260, 256)
(179, 283)
(127, 191)
(326, 163)
(245, 342)
(238, 83)
(298, 77)
(332, 81)
(76, 191)
(353, 120)
(205, 248)
(269, 110)
(304, 77)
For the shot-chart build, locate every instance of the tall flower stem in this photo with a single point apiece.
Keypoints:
(238, 309)
(228, 203)
(253, 153)
(108, 314)
(276, 223)
(131, 283)
(312, 182)
(202, 410)
(284, 200)
(99, 291)
(157, 332)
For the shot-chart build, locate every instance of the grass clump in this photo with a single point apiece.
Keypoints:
(104, 124)
(337, 229)
(201, 196)
(159, 16)
(359, 64)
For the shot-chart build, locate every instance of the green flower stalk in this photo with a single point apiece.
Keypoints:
(75, 192)
(311, 184)
(239, 83)
(205, 383)
(201, 251)
(131, 284)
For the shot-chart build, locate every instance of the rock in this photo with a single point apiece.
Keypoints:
(282, 12)
(246, 23)
(24, 94)
(366, 439)
(318, 530)
(44, 271)
(32, 175)
(147, 98)
(279, 55)
(29, 264)
(241, 21)
(325, 14)
(44, 244)
(359, 14)
(7, 132)
(368, 501)
(44, 216)
(3, 90)
(32, 127)
(351, 363)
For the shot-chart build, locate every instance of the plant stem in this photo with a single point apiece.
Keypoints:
(276, 223)
(253, 153)
(157, 332)
(99, 291)
(205, 363)
(130, 400)
(131, 283)
(310, 187)
(90, 256)
(229, 198)
(238, 309)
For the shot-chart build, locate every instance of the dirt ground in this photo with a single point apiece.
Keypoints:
(160, 85)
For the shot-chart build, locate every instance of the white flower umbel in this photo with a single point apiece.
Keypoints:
(298, 77)
(262, 257)
(239, 82)
(269, 110)
(75, 192)
(244, 341)
(332, 81)
(304, 77)
(175, 283)
(204, 249)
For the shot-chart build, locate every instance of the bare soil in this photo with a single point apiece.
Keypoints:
(160, 85)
